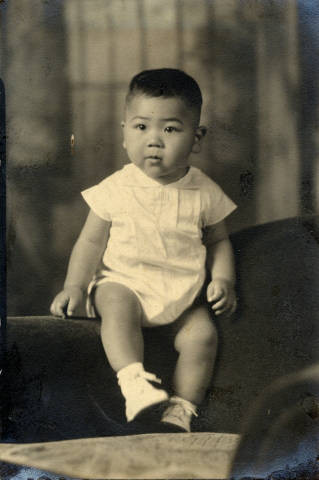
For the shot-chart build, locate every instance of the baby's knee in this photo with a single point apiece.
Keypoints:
(205, 334)
(200, 332)
(116, 300)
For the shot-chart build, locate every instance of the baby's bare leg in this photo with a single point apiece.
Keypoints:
(121, 332)
(122, 339)
(196, 343)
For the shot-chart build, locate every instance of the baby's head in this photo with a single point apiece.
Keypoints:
(161, 126)
(167, 83)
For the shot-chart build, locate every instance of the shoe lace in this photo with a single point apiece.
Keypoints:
(181, 407)
(150, 376)
(142, 376)
(145, 375)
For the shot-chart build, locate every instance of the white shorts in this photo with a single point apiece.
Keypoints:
(155, 313)
(90, 304)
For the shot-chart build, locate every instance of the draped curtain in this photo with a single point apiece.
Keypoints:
(66, 66)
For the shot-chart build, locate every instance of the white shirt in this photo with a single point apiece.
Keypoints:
(155, 245)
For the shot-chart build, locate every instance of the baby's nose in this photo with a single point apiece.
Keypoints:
(156, 144)
(155, 140)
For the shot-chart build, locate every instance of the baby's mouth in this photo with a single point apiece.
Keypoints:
(154, 158)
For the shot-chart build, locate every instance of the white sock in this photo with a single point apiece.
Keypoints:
(189, 405)
(130, 370)
(137, 391)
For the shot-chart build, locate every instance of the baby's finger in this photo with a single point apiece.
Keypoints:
(210, 292)
(215, 294)
(221, 304)
(222, 310)
(53, 308)
(61, 309)
(71, 306)
(57, 308)
(228, 309)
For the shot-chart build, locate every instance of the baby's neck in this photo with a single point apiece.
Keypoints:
(167, 180)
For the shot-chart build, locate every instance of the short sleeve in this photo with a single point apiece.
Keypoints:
(216, 205)
(98, 199)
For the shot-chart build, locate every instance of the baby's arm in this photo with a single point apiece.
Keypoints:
(85, 257)
(220, 262)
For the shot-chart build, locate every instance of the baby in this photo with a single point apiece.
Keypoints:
(154, 229)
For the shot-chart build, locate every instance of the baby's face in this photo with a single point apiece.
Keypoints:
(159, 134)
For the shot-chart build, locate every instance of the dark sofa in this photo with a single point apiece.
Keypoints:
(59, 385)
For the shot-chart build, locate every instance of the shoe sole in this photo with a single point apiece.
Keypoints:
(153, 413)
(166, 427)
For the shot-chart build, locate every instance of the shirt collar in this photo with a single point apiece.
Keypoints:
(134, 176)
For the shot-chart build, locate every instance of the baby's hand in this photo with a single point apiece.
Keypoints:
(221, 294)
(69, 298)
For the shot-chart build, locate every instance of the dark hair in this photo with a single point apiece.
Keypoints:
(167, 83)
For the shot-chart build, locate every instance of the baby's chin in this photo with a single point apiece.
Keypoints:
(167, 177)
(157, 172)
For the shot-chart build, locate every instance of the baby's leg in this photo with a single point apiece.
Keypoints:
(121, 331)
(122, 339)
(196, 343)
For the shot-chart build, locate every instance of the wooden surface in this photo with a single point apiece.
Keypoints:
(194, 455)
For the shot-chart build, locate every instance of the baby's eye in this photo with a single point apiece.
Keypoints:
(170, 129)
(140, 126)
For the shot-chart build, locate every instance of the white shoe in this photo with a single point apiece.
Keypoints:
(179, 413)
(139, 393)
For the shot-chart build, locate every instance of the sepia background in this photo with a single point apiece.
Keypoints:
(66, 66)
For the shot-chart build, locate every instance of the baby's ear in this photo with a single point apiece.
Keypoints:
(199, 135)
(201, 132)
(123, 143)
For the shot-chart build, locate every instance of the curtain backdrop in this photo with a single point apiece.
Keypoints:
(66, 66)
